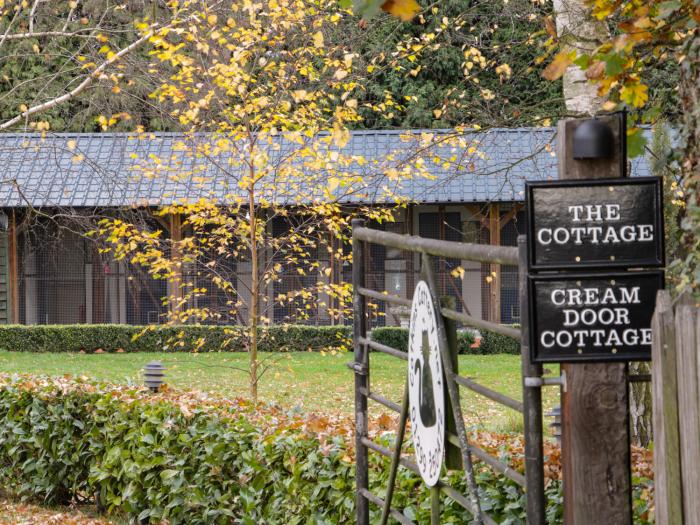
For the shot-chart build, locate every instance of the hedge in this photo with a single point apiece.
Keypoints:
(179, 458)
(491, 342)
(156, 338)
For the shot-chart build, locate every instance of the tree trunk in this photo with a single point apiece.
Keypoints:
(576, 29)
(254, 296)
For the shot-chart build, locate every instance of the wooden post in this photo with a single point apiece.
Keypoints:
(595, 404)
(495, 269)
(13, 269)
(361, 377)
(176, 293)
(687, 341)
(532, 405)
(667, 462)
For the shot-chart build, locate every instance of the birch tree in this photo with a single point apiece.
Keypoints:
(264, 100)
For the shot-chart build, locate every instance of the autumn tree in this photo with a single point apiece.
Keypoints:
(264, 101)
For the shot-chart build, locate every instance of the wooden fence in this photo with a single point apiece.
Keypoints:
(676, 391)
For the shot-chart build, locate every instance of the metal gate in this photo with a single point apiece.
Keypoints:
(531, 406)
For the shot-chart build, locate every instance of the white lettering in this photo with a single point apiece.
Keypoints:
(628, 233)
(540, 236)
(612, 212)
(630, 337)
(594, 212)
(627, 297)
(611, 236)
(561, 236)
(571, 318)
(564, 338)
(547, 334)
(576, 210)
(558, 292)
(646, 232)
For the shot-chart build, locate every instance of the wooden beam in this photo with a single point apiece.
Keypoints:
(176, 293)
(13, 269)
(495, 269)
(510, 215)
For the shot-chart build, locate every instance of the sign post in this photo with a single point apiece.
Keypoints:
(587, 312)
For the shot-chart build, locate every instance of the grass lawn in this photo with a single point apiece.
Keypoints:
(308, 381)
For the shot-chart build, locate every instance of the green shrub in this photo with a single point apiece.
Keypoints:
(157, 338)
(493, 343)
(397, 337)
(393, 336)
(179, 458)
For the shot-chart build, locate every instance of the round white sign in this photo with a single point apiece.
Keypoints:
(426, 388)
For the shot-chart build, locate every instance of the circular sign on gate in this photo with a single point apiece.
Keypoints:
(426, 392)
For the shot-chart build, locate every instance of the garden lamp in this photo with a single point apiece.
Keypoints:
(153, 374)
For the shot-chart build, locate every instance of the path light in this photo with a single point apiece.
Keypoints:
(594, 139)
(153, 374)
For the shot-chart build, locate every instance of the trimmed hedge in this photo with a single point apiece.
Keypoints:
(153, 460)
(158, 338)
(183, 459)
(491, 342)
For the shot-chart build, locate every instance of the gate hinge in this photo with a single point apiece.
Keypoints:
(535, 382)
(358, 368)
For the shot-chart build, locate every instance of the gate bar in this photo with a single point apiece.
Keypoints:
(449, 491)
(396, 457)
(380, 503)
(384, 401)
(379, 347)
(386, 297)
(532, 401)
(478, 323)
(452, 249)
(491, 394)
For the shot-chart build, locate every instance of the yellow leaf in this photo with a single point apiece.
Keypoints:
(558, 66)
(71, 145)
(318, 39)
(403, 9)
(333, 183)
(634, 94)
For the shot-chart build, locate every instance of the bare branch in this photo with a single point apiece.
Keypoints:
(80, 88)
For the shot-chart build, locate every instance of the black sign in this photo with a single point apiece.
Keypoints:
(611, 223)
(592, 317)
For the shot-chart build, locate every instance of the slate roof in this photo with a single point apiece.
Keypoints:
(102, 169)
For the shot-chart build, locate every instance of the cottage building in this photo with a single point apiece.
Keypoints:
(53, 275)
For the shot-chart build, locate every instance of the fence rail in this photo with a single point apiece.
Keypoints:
(531, 407)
